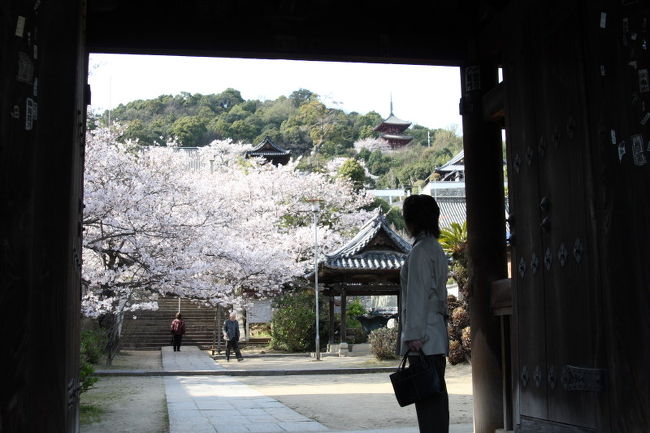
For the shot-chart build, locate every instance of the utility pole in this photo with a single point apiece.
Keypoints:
(315, 208)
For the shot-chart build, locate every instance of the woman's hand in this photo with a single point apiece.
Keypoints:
(414, 345)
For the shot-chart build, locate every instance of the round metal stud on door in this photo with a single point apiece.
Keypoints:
(562, 254)
(548, 259)
(524, 376)
(552, 380)
(534, 263)
(538, 376)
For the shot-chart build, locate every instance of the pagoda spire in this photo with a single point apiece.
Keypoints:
(392, 129)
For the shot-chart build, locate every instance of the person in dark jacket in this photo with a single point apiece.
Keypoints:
(231, 334)
(177, 329)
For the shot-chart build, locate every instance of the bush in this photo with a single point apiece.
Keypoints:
(293, 323)
(456, 352)
(383, 343)
(93, 343)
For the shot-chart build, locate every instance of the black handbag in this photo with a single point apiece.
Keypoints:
(416, 382)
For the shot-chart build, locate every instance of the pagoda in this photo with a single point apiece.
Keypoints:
(270, 151)
(392, 129)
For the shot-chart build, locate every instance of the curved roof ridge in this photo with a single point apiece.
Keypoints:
(365, 235)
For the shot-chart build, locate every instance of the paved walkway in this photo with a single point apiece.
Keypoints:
(222, 404)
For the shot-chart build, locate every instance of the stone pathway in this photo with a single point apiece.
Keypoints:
(222, 404)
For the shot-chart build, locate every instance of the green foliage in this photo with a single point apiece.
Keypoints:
(354, 172)
(93, 342)
(454, 242)
(393, 213)
(293, 323)
(92, 345)
(383, 343)
(355, 309)
(299, 122)
(89, 414)
(188, 130)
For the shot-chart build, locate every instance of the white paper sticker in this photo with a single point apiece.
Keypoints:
(603, 20)
(15, 112)
(603, 72)
(633, 36)
(29, 114)
(644, 83)
(621, 150)
(612, 133)
(638, 154)
(20, 26)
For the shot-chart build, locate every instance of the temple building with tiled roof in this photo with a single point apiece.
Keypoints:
(392, 130)
(270, 151)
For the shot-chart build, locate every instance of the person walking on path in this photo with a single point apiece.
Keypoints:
(177, 329)
(231, 334)
(423, 315)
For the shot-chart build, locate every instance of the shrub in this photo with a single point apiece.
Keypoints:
(293, 323)
(93, 343)
(456, 352)
(466, 339)
(460, 318)
(383, 343)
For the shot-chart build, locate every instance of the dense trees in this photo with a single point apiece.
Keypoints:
(299, 122)
(218, 232)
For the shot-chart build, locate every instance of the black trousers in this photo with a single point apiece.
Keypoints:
(177, 340)
(433, 413)
(234, 345)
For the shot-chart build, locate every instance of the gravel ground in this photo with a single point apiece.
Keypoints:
(339, 401)
(360, 401)
(127, 404)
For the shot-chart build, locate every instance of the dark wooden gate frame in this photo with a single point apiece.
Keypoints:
(42, 145)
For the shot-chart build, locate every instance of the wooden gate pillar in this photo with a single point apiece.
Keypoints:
(486, 241)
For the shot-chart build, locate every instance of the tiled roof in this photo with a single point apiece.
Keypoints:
(452, 210)
(375, 247)
(396, 121)
(268, 148)
(397, 137)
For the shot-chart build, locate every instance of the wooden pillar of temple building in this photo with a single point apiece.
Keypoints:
(344, 322)
(331, 314)
(486, 241)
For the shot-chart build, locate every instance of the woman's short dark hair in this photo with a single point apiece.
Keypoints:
(179, 316)
(421, 214)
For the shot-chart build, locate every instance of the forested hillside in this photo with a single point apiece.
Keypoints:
(299, 122)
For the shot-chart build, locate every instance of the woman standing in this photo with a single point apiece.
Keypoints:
(178, 329)
(423, 305)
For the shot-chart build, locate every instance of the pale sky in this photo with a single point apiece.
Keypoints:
(426, 95)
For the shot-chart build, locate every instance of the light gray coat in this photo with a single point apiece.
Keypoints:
(423, 297)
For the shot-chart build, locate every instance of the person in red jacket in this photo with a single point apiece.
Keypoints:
(178, 329)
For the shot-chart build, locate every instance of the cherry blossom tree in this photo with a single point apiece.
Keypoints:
(205, 224)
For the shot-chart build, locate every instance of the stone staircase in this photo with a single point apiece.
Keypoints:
(149, 330)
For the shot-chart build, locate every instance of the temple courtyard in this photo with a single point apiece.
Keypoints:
(188, 391)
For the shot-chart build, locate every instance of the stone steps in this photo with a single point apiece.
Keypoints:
(149, 330)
